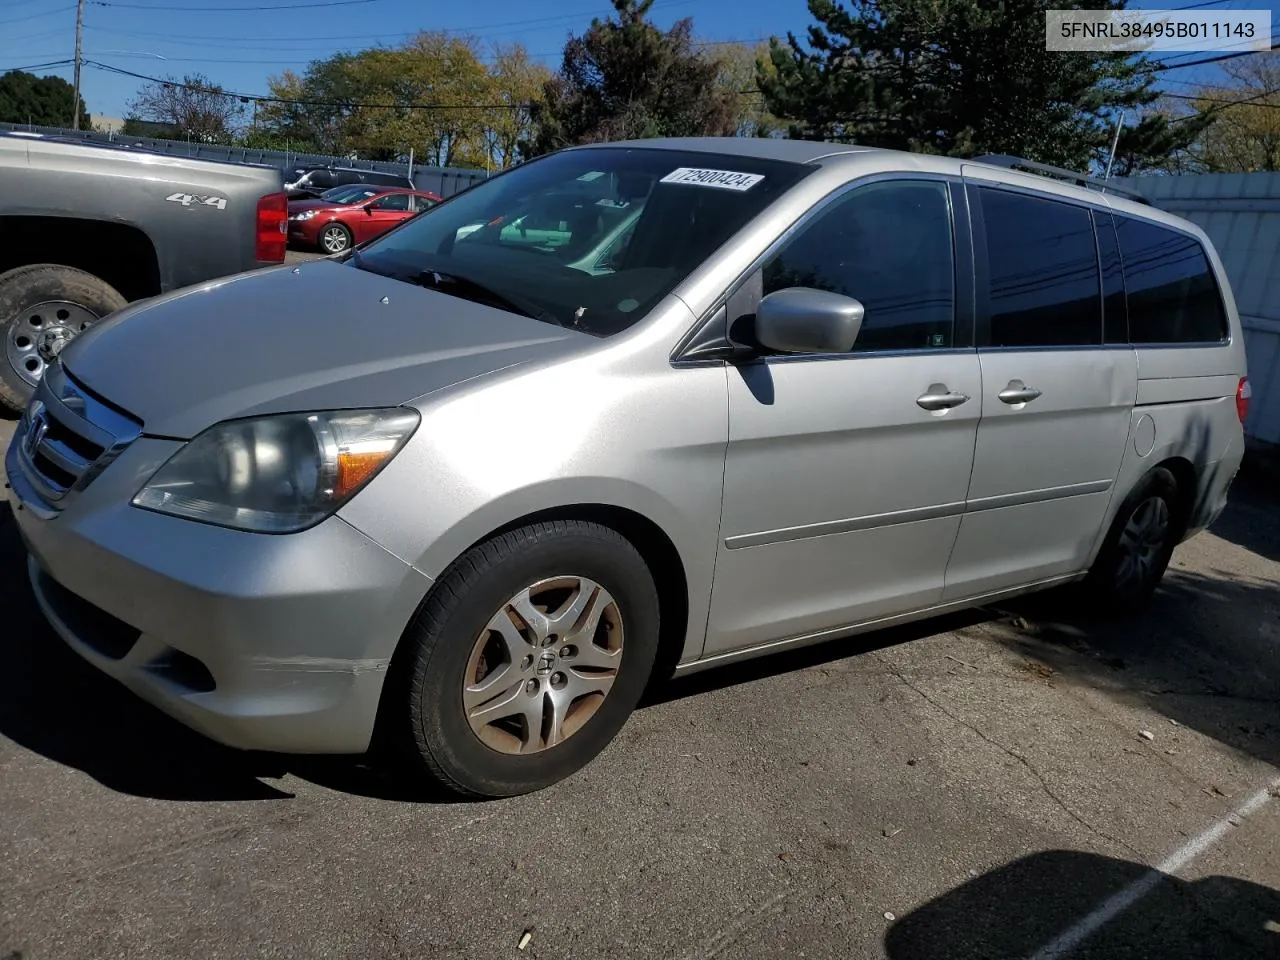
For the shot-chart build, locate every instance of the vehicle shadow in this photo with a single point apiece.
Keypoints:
(1022, 909)
(1205, 653)
(56, 705)
(1252, 519)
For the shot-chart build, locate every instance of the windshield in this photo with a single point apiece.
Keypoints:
(591, 238)
(349, 193)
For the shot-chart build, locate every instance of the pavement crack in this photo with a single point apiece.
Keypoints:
(1039, 777)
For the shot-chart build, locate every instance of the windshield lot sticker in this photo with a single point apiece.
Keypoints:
(721, 179)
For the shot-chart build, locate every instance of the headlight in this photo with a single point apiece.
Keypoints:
(305, 215)
(277, 474)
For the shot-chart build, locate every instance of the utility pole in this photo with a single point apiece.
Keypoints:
(75, 101)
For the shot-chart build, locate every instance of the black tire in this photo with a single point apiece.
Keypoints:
(26, 286)
(340, 230)
(426, 713)
(1108, 587)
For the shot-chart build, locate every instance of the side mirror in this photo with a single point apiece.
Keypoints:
(805, 320)
(368, 208)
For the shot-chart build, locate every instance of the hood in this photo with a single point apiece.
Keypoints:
(315, 336)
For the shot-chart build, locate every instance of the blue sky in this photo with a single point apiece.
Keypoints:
(240, 48)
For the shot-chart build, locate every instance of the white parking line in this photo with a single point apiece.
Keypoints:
(1119, 902)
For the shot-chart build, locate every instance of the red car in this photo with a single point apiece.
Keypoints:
(353, 213)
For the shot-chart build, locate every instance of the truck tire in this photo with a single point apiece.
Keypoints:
(43, 307)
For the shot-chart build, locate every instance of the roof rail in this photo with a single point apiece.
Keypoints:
(1061, 173)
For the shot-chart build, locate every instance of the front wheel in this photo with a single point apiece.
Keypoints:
(43, 307)
(527, 658)
(1138, 547)
(335, 238)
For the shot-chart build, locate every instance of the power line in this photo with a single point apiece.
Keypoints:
(305, 103)
(1231, 103)
(1218, 59)
(258, 8)
(37, 16)
(43, 66)
(555, 18)
(272, 61)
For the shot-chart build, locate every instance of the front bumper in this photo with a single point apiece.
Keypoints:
(277, 643)
(306, 232)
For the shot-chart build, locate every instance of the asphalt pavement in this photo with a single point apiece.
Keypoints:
(1014, 782)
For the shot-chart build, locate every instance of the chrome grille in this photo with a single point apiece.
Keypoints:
(66, 437)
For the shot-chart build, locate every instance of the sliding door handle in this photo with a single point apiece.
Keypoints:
(940, 397)
(1018, 392)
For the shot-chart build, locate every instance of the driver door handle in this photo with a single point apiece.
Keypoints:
(940, 397)
(1018, 392)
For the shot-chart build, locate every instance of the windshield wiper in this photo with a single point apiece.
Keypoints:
(469, 289)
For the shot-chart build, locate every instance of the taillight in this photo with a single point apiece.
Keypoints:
(1243, 394)
(272, 229)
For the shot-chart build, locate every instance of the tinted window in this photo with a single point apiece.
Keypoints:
(686, 204)
(396, 201)
(1115, 326)
(1173, 297)
(423, 203)
(887, 245)
(1044, 287)
(321, 180)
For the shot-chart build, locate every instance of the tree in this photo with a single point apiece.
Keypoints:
(516, 84)
(965, 77)
(192, 107)
(432, 94)
(736, 68)
(45, 101)
(1245, 134)
(625, 79)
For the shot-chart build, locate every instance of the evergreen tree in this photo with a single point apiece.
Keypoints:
(965, 77)
(626, 79)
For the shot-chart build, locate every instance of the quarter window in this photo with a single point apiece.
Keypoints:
(1173, 297)
(889, 246)
(1043, 287)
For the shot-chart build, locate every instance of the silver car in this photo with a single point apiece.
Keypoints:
(454, 493)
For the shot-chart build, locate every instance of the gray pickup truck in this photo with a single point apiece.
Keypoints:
(86, 228)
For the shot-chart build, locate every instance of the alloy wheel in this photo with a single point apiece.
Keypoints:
(1142, 539)
(334, 239)
(543, 665)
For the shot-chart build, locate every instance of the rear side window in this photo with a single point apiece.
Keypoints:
(1043, 284)
(1172, 294)
(889, 246)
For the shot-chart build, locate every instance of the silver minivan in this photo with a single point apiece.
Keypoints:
(466, 491)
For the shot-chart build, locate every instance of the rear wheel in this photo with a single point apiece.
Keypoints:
(527, 659)
(1138, 546)
(43, 307)
(335, 238)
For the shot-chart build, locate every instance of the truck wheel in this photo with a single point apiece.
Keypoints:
(43, 307)
(335, 238)
(527, 658)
